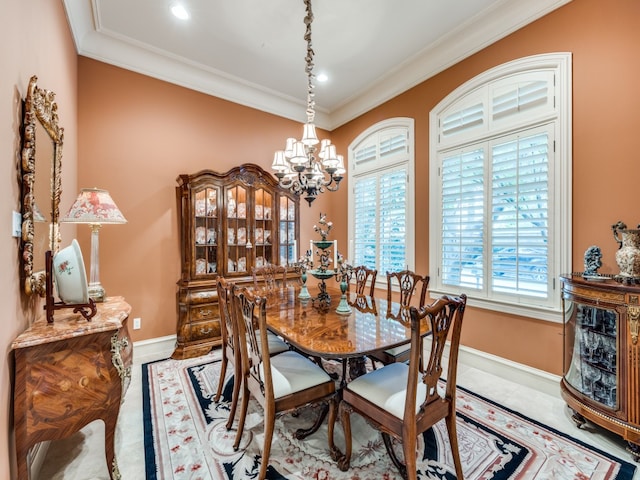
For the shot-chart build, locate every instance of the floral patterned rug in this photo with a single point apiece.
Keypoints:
(186, 438)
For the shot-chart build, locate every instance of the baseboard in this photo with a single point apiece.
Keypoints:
(154, 349)
(160, 348)
(36, 457)
(512, 371)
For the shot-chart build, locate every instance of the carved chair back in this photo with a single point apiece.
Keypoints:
(408, 282)
(269, 278)
(363, 276)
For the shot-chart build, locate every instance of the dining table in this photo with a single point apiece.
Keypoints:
(320, 332)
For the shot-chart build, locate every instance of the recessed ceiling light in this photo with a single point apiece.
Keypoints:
(322, 77)
(179, 11)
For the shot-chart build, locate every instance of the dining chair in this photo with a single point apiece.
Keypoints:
(229, 347)
(404, 400)
(282, 383)
(409, 283)
(231, 352)
(269, 278)
(364, 275)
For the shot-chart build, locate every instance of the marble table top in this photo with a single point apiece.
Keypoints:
(110, 316)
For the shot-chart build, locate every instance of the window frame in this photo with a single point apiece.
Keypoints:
(407, 161)
(558, 116)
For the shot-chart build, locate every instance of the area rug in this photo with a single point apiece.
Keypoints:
(186, 438)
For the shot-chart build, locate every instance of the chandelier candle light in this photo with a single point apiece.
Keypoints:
(94, 207)
(297, 167)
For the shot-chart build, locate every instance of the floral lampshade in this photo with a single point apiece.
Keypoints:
(94, 205)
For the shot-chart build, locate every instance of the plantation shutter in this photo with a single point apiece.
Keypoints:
(393, 221)
(365, 238)
(520, 216)
(463, 219)
(380, 170)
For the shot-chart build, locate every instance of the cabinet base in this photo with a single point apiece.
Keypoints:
(578, 419)
(183, 352)
(634, 450)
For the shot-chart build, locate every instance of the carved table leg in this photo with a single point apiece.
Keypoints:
(109, 444)
(305, 432)
(357, 367)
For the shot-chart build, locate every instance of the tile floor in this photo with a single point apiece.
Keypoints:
(81, 457)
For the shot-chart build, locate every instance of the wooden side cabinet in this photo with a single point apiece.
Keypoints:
(229, 223)
(601, 376)
(70, 373)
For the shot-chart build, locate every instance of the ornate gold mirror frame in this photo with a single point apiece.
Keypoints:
(40, 196)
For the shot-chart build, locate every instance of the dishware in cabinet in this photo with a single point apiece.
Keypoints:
(601, 377)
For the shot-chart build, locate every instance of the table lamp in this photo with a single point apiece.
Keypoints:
(94, 207)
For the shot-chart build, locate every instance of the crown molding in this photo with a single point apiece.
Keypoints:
(490, 26)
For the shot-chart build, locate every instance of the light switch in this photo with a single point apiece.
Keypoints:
(16, 227)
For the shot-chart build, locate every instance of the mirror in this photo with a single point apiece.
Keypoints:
(41, 184)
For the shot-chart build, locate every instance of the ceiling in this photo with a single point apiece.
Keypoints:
(252, 51)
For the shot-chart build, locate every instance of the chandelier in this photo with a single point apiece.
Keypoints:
(297, 167)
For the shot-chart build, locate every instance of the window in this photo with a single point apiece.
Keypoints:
(500, 187)
(381, 197)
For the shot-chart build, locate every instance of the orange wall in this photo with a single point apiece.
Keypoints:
(35, 41)
(137, 134)
(604, 39)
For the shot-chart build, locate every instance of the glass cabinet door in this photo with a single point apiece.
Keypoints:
(263, 234)
(237, 234)
(287, 234)
(591, 352)
(206, 232)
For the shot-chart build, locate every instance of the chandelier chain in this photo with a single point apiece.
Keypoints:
(308, 20)
(297, 167)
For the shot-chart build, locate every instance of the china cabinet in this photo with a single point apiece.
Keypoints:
(229, 223)
(601, 377)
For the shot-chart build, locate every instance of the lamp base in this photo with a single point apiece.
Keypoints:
(96, 292)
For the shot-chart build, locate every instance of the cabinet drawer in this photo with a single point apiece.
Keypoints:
(204, 312)
(209, 329)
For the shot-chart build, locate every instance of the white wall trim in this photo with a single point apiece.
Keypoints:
(153, 349)
(160, 348)
(509, 370)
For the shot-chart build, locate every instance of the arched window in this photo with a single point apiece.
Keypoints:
(500, 187)
(381, 196)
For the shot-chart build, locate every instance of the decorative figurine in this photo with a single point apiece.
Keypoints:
(628, 254)
(592, 261)
(343, 275)
(323, 223)
(304, 264)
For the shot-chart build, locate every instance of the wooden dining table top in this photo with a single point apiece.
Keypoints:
(372, 325)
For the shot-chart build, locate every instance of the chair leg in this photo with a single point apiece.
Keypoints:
(402, 468)
(237, 384)
(269, 422)
(409, 451)
(453, 441)
(223, 373)
(336, 454)
(345, 414)
(243, 415)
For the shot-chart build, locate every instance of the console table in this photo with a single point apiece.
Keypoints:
(69, 373)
